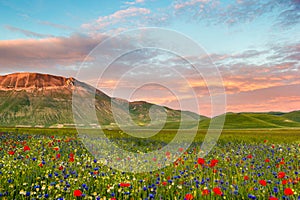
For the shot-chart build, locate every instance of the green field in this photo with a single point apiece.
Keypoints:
(245, 164)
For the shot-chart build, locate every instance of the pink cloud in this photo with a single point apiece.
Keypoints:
(279, 98)
(119, 16)
(48, 52)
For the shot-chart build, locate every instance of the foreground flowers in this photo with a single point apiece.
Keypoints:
(59, 167)
(77, 193)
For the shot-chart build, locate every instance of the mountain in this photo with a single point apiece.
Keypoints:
(43, 100)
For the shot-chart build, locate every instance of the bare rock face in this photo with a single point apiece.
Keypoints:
(33, 81)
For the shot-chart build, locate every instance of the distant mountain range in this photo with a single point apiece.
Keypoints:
(43, 100)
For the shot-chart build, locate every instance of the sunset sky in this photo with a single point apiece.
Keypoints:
(254, 44)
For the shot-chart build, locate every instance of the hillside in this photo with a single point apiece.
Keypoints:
(42, 100)
(257, 120)
(294, 115)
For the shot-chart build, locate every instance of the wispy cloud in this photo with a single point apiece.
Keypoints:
(240, 11)
(120, 16)
(27, 32)
(134, 2)
(192, 3)
(290, 16)
(58, 26)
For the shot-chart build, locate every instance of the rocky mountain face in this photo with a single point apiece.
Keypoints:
(33, 81)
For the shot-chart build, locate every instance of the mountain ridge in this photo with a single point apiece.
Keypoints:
(44, 100)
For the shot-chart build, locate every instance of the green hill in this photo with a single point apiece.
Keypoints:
(254, 120)
(294, 115)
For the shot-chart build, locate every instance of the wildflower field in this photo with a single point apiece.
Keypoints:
(245, 164)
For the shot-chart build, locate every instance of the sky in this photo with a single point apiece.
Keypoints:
(253, 45)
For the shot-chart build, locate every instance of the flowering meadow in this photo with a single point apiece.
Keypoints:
(243, 165)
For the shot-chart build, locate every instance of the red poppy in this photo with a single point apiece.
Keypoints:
(124, 184)
(282, 162)
(201, 161)
(58, 155)
(11, 152)
(205, 192)
(273, 198)
(246, 178)
(61, 168)
(26, 148)
(71, 155)
(77, 193)
(56, 148)
(164, 183)
(263, 182)
(41, 164)
(71, 159)
(217, 191)
(267, 160)
(188, 197)
(284, 182)
(281, 175)
(213, 162)
(180, 149)
(288, 191)
(249, 156)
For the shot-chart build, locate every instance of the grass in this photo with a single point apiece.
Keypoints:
(47, 171)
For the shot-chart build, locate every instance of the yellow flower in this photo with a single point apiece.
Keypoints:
(22, 192)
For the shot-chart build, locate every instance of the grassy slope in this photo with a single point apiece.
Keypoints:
(21, 108)
(55, 107)
(253, 120)
(295, 116)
